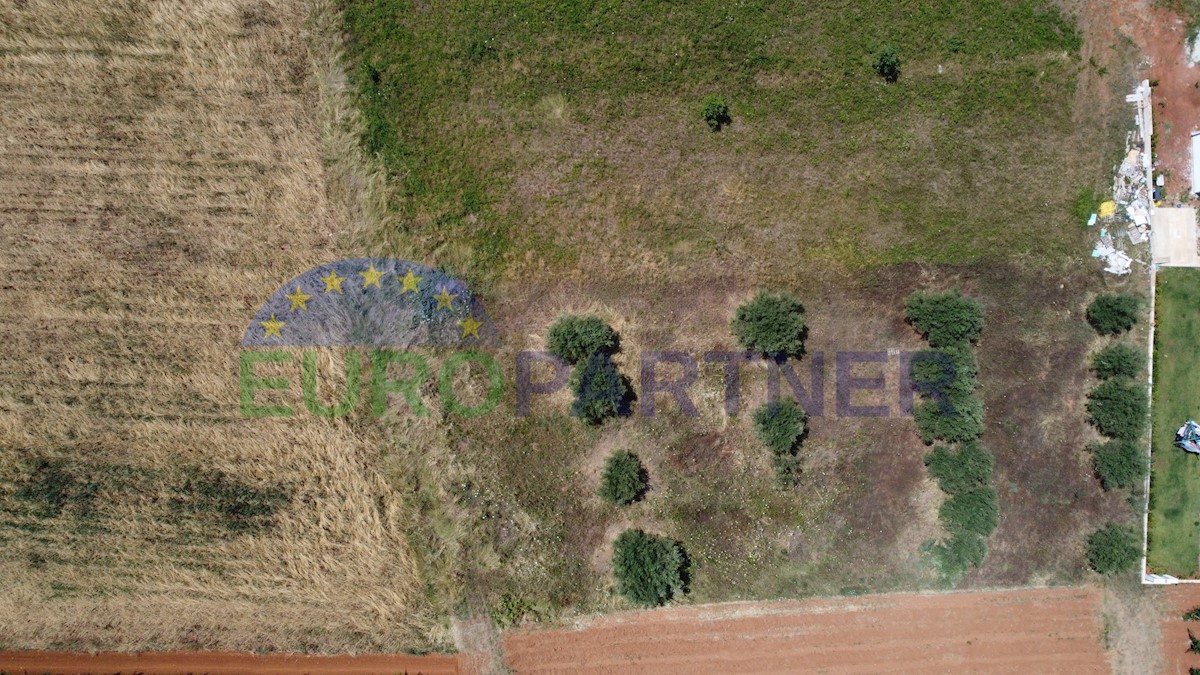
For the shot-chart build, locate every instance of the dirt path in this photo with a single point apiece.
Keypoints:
(217, 663)
(1161, 36)
(1050, 630)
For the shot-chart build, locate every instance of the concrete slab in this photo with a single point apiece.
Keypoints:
(1173, 237)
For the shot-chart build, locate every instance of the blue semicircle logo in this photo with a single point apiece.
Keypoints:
(371, 302)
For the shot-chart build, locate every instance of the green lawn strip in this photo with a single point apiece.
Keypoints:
(1175, 475)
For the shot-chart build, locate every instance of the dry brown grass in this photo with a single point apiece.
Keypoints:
(163, 171)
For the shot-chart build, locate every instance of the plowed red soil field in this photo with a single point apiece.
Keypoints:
(1036, 630)
(1175, 642)
(222, 663)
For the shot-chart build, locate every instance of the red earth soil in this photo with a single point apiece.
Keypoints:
(222, 663)
(1175, 642)
(1161, 36)
(1051, 630)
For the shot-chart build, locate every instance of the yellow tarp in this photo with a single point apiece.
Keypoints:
(1107, 209)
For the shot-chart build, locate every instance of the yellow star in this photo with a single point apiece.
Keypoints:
(410, 282)
(299, 299)
(371, 277)
(272, 327)
(445, 298)
(333, 282)
(470, 326)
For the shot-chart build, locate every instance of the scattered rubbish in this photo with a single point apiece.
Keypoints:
(1133, 191)
(1188, 437)
(1159, 579)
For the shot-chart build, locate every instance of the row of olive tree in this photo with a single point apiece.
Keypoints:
(1118, 407)
(649, 569)
(946, 377)
(773, 325)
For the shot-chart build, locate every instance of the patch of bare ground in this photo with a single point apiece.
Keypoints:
(1044, 630)
(1176, 657)
(1132, 614)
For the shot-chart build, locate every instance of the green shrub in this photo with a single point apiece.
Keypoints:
(714, 110)
(787, 468)
(1113, 314)
(957, 419)
(771, 324)
(967, 469)
(944, 319)
(601, 391)
(780, 425)
(887, 63)
(624, 479)
(1192, 615)
(1119, 360)
(1118, 408)
(970, 512)
(948, 371)
(1113, 549)
(1120, 463)
(649, 569)
(509, 611)
(954, 556)
(574, 338)
(1193, 643)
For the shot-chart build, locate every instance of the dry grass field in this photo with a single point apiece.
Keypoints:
(163, 171)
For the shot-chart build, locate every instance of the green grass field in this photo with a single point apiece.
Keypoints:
(498, 120)
(1175, 475)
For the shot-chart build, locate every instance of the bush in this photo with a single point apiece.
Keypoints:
(1193, 615)
(624, 479)
(968, 469)
(970, 512)
(945, 319)
(957, 419)
(780, 425)
(1119, 360)
(954, 556)
(601, 391)
(771, 324)
(649, 569)
(1118, 408)
(787, 468)
(887, 63)
(715, 111)
(574, 338)
(1120, 463)
(1112, 314)
(1113, 549)
(949, 371)
(1193, 643)
(510, 611)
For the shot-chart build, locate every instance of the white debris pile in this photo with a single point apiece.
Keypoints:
(1115, 262)
(1132, 192)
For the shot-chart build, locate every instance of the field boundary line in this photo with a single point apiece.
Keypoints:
(1150, 439)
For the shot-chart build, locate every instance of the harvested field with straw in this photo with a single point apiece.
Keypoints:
(164, 171)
